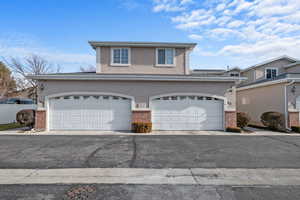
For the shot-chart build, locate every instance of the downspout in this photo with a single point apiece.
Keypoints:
(286, 104)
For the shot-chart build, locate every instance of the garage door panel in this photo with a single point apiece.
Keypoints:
(187, 114)
(90, 114)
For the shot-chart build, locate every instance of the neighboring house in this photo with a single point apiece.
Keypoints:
(233, 72)
(273, 85)
(137, 82)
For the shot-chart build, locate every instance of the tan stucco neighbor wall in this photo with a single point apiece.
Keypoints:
(143, 61)
(140, 90)
(258, 100)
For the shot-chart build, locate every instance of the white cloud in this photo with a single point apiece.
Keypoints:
(268, 48)
(201, 52)
(170, 5)
(235, 24)
(195, 37)
(240, 28)
(183, 2)
(222, 33)
(196, 18)
(221, 7)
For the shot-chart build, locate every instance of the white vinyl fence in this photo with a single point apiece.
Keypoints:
(8, 112)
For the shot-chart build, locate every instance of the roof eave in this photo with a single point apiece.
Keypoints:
(95, 44)
(135, 78)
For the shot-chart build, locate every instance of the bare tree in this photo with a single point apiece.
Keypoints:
(34, 65)
(89, 68)
(7, 82)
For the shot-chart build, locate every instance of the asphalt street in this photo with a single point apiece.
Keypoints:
(43, 152)
(158, 152)
(146, 192)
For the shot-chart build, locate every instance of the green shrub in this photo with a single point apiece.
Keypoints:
(26, 117)
(296, 129)
(273, 120)
(242, 119)
(141, 127)
(233, 129)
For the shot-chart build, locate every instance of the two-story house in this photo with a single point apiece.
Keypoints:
(140, 82)
(273, 85)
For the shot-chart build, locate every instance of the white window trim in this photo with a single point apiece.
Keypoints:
(119, 64)
(271, 69)
(165, 65)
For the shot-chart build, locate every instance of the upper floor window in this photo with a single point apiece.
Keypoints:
(235, 74)
(271, 73)
(120, 56)
(165, 56)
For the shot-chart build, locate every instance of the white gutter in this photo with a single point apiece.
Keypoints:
(132, 77)
(286, 103)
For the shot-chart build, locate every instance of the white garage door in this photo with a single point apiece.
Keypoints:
(187, 113)
(89, 113)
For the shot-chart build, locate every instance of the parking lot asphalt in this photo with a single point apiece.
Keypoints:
(168, 151)
(153, 192)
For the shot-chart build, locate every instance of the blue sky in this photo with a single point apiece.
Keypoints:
(228, 32)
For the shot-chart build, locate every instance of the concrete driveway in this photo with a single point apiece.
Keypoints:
(188, 151)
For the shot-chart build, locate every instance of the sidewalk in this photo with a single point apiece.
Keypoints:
(199, 176)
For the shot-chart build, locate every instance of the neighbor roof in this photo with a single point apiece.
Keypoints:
(293, 64)
(95, 44)
(271, 60)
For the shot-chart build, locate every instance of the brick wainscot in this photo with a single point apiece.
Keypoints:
(40, 120)
(230, 119)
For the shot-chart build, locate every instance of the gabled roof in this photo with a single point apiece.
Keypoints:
(271, 60)
(95, 44)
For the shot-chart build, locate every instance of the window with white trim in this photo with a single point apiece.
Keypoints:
(165, 56)
(234, 74)
(120, 56)
(271, 73)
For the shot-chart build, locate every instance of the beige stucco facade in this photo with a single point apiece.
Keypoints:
(141, 91)
(142, 61)
(256, 101)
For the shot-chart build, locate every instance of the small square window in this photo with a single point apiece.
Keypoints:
(120, 56)
(271, 73)
(182, 97)
(165, 56)
(76, 97)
